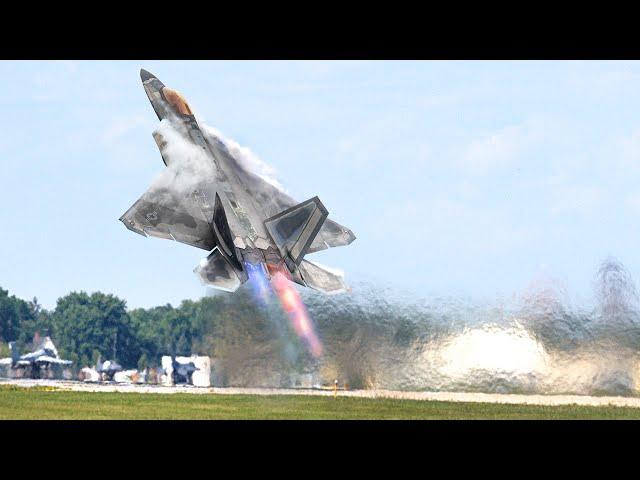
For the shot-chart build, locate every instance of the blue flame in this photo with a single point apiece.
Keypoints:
(259, 281)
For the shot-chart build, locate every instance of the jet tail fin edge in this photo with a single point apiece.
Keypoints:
(293, 230)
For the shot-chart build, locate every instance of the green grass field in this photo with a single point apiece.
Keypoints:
(38, 403)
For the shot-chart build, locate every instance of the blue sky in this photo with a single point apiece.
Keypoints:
(472, 178)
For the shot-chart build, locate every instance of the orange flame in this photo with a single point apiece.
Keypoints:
(297, 312)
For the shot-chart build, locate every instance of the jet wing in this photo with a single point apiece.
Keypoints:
(164, 212)
(332, 234)
(179, 203)
(56, 361)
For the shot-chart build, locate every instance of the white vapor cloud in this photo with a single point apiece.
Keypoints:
(246, 158)
(188, 164)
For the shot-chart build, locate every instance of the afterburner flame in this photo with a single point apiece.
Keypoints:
(289, 299)
(259, 282)
(297, 312)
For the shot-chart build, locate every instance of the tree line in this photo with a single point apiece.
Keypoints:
(85, 327)
(250, 342)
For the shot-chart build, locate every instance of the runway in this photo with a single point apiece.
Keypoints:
(550, 400)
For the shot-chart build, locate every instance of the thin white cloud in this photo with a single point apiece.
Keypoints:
(630, 150)
(633, 201)
(498, 149)
(123, 125)
(572, 199)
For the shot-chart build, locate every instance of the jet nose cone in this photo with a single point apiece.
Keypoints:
(144, 75)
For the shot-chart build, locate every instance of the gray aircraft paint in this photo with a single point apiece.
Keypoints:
(205, 198)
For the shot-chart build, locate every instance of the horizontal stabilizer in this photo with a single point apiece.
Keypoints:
(294, 229)
(216, 271)
(322, 278)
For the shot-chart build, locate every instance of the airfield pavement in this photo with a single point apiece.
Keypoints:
(551, 400)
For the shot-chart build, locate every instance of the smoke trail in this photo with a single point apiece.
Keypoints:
(188, 166)
(289, 300)
(537, 343)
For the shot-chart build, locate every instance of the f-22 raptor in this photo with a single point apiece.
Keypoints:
(208, 199)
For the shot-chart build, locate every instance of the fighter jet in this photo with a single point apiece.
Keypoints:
(107, 369)
(182, 372)
(45, 355)
(208, 199)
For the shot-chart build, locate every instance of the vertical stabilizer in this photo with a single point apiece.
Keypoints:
(15, 353)
(294, 229)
